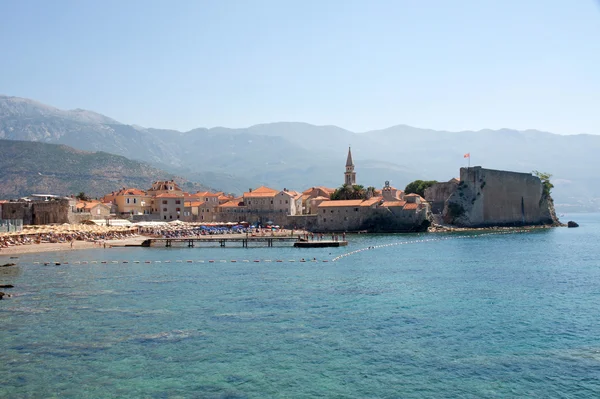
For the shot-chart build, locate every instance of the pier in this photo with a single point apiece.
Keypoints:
(191, 242)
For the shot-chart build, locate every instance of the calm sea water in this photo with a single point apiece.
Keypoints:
(488, 316)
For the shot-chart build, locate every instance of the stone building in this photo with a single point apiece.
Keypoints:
(170, 205)
(487, 197)
(438, 193)
(51, 210)
(131, 201)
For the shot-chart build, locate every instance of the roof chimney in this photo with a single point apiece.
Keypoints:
(249, 190)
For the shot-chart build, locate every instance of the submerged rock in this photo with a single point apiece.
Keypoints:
(8, 264)
(7, 286)
(571, 223)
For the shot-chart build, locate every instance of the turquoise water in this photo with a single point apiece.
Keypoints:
(453, 316)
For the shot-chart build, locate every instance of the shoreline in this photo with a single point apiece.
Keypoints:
(66, 246)
(6, 253)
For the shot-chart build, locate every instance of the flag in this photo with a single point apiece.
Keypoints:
(467, 155)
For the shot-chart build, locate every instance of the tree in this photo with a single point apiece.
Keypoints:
(349, 192)
(82, 196)
(545, 178)
(418, 187)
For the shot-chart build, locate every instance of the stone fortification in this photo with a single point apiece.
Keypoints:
(38, 212)
(437, 194)
(486, 197)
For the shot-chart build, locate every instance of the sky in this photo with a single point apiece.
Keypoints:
(361, 65)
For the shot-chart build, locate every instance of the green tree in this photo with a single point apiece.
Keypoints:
(546, 184)
(418, 187)
(349, 192)
(82, 196)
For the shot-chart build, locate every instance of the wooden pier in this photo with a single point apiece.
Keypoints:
(191, 242)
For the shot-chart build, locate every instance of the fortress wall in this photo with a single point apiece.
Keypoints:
(495, 198)
(437, 194)
(56, 211)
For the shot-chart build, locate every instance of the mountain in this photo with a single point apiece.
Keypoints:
(30, 167)
(299, 155)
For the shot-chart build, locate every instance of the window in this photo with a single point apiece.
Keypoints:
(286, 201)
(178, 209)
(128, 200)
(164, 202)
(170, 216)
(355, 209)
(324, 220)
(164, 209)
(281, 202)
(271, 202)
(165, 217)
(323, 210)
(178, 202)
(135, 200)
(332, 211)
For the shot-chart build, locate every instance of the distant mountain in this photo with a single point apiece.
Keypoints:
(28, 168)
(299, 155)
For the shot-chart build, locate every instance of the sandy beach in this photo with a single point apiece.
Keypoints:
(65, 246)
(34, 239)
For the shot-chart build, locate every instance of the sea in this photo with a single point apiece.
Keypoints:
(493, 314)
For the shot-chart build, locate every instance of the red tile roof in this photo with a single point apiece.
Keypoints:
(233, 203)
(371, 201)
(130, 191)
(342, 203)
(411, 206)
(394, 203)
(169, 195)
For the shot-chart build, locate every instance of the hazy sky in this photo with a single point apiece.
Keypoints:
(361, 65)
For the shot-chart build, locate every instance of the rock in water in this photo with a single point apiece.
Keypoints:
(8, 264)
(7, 286)
(571, 223)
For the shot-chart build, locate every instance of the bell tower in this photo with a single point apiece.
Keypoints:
(350, 174)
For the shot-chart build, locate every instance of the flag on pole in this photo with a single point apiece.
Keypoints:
(467, 155)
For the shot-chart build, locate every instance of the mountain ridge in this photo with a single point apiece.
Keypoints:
(299, 154)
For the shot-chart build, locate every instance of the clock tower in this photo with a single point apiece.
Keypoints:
(350, 174)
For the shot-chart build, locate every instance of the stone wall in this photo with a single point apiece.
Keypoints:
(38, 212)
(380, 219)
(486, 197)
(56, 211)
(305, 222)
(437, 194)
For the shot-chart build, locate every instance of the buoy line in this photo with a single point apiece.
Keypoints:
(114, 262)
(425, 240)
(301, 260)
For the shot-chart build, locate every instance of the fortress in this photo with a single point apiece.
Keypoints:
(487, 197)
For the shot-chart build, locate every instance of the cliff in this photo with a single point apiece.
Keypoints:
(487, 197)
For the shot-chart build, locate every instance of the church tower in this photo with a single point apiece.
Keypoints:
(350, 174)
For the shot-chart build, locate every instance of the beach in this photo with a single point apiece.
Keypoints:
(71, 237)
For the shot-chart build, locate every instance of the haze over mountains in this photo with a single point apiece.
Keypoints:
(300, 155)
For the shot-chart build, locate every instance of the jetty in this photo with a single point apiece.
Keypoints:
(192, 242)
